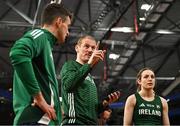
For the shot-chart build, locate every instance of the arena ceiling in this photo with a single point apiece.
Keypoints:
(134, 37)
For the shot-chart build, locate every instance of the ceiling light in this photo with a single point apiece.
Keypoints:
(142, 19)
(56, 1)
(123, 29)
(162, 31)
(113, 56)
(145, 7)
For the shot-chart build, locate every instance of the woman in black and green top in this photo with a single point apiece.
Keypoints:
(145, 107)
(79, 92)
(35, 87)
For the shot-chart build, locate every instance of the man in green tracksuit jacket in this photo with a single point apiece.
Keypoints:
(35, 87)
(79, 92)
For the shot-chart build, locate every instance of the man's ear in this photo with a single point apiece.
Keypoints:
(76, 48)
(59, 21)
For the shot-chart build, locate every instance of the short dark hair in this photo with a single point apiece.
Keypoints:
(54, 10)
